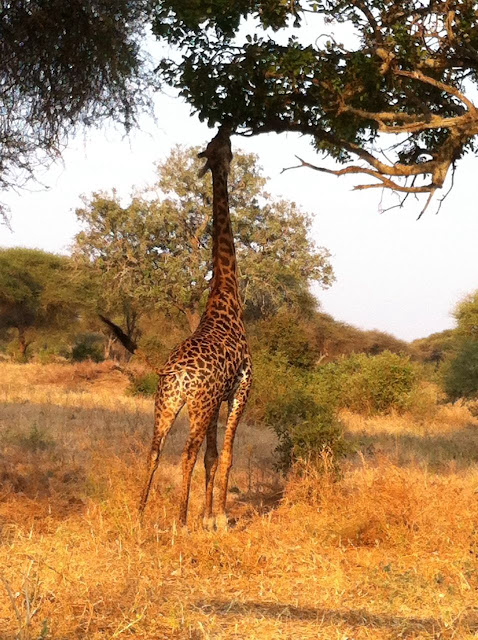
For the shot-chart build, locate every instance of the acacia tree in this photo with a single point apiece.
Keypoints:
(403, 68)
(155, 254)
(460, 374)
(38, 291)
(63, 64)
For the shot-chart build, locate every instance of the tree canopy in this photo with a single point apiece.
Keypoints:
(64, 64)
(155, 253)
(37, 291)
(402, 68)
(349, 74)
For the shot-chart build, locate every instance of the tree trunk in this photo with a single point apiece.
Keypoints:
(23, 344)
(108, 345)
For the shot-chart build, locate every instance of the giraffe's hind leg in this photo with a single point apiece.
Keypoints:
(200, 418)
(210, 467)
(167, 407)
(237, 404)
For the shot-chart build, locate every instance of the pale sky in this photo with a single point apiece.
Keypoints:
(393, 273)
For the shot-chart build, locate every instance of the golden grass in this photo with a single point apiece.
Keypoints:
(390, 550)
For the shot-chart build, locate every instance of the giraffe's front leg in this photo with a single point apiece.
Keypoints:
(236, 409)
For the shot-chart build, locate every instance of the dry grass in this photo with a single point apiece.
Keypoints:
(390, 550)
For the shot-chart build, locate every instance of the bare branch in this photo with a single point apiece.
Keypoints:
(402, 201)
(429, 199)
(354, 169)
(443, 198)
(460, 129)
(11, 597)
(370, 17)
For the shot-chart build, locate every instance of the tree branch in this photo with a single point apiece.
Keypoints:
(354, 169)
(412, 124)
(418, 75)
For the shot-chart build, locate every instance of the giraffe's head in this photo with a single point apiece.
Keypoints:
(218, 152)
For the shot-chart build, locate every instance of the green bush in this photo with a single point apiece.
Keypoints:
(14, 353)
(285, 399)
(306, 438)
(460, 375)
(288, 334)
(144, 385)
(55, 353)
(88, 346)
(369, 384)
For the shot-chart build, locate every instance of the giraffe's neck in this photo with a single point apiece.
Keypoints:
(224, 269)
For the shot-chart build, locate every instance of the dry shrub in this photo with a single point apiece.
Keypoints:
(458, 414)
(57, 374)
(443, 418)
(473, 407)
(38, 383)
(78, 373)
(387, 506)
(449, 439)
(312, 483)
(423, 403)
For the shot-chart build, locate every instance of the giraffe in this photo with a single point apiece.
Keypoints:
(212, 365)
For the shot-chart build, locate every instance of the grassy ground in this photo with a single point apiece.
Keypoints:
(390, 550)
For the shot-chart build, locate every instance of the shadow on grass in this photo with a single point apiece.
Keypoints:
(46, 452)
(436, 451)
(401, 626)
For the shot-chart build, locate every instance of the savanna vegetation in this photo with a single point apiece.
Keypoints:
(349, 74)
(65, 66)
(352, 498)
(353, 495)
(379, 543)
(137, 280)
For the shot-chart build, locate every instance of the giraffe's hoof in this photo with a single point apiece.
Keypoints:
(221, 522)
(208, 523)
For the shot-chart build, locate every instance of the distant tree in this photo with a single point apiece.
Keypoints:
(290, 334)
(435, 347)
(466, 316)
(37, 292)
(156, 252)
(64, 64)
(461, 372)
(334, 338)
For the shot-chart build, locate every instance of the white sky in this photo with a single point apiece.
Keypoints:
(393, 273)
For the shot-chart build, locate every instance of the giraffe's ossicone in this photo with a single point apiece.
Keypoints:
(213, 365)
